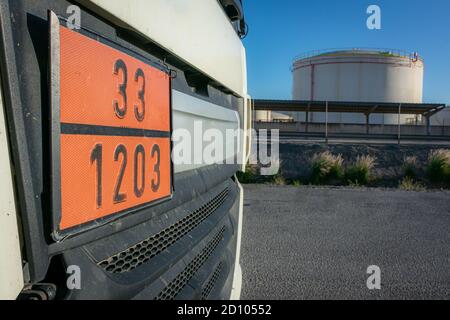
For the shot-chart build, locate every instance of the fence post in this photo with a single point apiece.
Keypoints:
(326, 122)
(367, 123)
(399, 124)
(307, 118)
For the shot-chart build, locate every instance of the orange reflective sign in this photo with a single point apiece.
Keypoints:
(114, 140)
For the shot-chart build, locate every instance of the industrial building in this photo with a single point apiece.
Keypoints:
(355, 78)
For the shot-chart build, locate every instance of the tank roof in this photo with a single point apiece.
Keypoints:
(357, 51)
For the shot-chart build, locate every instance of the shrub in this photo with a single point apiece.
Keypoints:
(353, 184)
(410, 167)
(438, 169)
(297, 183)
(408, 184)
(360, 172)
(326, 167)
(247, 177)
(279, 180)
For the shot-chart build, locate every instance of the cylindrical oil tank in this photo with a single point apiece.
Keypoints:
(269, 116)
(263, 116)
(358, 75)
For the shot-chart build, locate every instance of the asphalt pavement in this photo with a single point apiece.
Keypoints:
(317, 243)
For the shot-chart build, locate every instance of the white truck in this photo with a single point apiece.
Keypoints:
(93, 203)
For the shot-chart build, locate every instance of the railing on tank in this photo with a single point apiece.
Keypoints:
(413, 56)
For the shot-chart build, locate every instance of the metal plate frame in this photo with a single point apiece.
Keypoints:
(54, 86)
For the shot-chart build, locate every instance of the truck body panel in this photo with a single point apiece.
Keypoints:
(183, 248)
(11, 276)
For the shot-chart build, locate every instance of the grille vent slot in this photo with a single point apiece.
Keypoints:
(143, 251)
(212, 282)
(176, 285)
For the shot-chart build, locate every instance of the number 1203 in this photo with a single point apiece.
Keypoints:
(139, 171)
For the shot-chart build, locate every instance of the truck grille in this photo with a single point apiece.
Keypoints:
(176, 285)
(143, 251)
(212, 282)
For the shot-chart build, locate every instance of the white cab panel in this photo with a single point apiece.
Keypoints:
(197, 31)
(11, 276)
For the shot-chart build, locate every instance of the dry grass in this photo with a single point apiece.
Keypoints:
(439, 166)
(408, 184)
(279, 180)
(360, 172)
(297, 183)
(325, 166)
(410, 167)
(366, 162)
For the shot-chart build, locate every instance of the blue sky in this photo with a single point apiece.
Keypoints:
(280, 30)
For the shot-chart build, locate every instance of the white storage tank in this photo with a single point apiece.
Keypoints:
(263, 116)
(358, 75)
(269, 116)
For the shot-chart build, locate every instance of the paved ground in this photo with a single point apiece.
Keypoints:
(308, 243)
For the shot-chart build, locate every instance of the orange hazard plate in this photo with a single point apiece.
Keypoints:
(111, 127)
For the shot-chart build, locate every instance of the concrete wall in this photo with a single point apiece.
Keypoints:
(353, 128)
(442, 118)
(348, 118)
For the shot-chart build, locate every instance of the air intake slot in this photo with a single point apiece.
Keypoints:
(175, 287)
(143, 251)
(212, 282)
